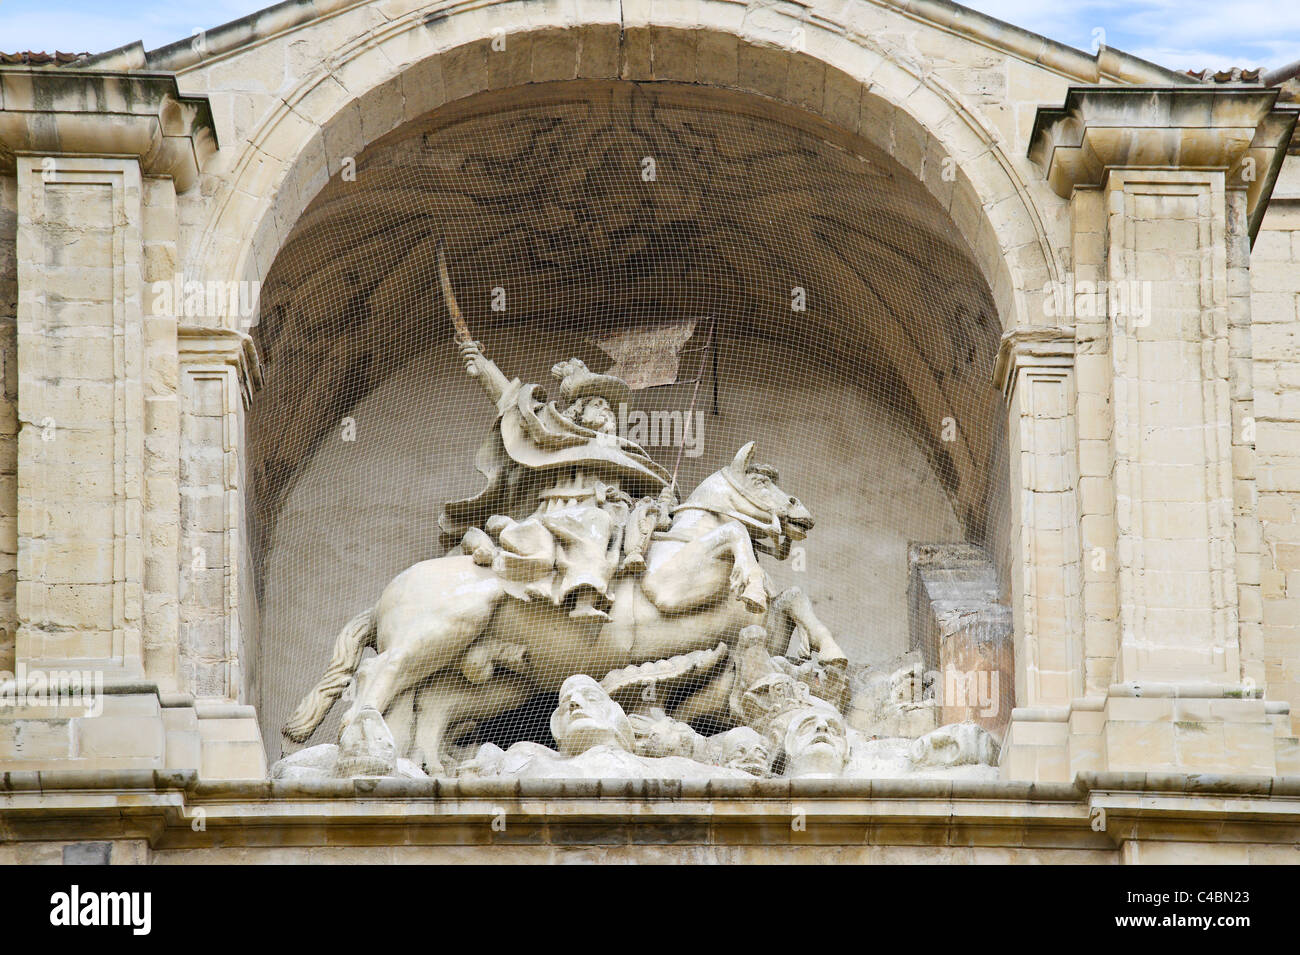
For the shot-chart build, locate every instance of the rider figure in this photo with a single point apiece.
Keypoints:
(561, 484)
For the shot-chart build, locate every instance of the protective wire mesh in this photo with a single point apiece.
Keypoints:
(834, 315)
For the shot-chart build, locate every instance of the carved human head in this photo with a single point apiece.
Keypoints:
(770, 696)
(587, 717)
(815, 740)
(591, 396)
(594, 413)
(661, 735)
(742, 748)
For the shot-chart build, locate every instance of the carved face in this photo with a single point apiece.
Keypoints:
(665, 737)
(744, 749)
(596, 414)
(816, 743)
(587, 717)
(796, 520)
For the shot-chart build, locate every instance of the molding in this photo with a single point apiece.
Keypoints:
(57, 112)
(552, 817)
(1100, 128)
(1033, 346)
(200, 344)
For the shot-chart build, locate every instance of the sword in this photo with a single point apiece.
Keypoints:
(457, 319)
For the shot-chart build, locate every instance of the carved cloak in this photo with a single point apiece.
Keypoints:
(532, 438)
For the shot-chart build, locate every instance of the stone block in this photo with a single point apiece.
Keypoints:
(962, 631)
(1132, 746)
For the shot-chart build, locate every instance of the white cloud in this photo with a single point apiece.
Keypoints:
(1179, 34)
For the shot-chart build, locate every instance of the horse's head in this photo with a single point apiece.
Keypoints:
(750, 492)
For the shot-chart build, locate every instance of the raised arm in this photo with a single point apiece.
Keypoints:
(479, 366)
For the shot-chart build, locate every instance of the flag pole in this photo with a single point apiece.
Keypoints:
(695, 394)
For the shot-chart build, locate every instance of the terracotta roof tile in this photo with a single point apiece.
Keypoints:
(33, 58)
(1234, 75)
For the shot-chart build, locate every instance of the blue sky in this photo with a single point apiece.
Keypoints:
(1180, 34)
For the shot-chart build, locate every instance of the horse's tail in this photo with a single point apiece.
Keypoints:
(351, 643)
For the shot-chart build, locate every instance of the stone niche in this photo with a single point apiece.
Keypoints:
(855, 339)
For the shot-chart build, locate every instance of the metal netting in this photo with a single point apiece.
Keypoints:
(770, 279)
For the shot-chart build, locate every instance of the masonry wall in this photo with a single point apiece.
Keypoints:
(8, 418)
(1275, 332)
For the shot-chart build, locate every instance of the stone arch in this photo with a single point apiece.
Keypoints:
(406, 68)
(390, 79)
(900, 339)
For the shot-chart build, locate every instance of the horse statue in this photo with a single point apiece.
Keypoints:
(452, 647)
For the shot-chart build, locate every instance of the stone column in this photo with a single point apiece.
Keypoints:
(98, 160)
(1035, 371)
(1165, 187)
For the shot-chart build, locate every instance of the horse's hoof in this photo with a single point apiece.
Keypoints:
(754, 599)
(751, 593)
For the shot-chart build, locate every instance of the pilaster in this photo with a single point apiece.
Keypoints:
(98, 160)
(1165, 189)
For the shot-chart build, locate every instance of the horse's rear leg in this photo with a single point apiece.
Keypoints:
(416, 647)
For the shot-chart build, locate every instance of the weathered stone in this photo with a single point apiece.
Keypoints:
(886, 166)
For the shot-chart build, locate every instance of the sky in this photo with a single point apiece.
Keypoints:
(1179, 34)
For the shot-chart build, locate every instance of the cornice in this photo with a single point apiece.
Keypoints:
(96, 113)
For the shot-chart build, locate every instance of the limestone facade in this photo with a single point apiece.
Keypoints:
(1148, 550)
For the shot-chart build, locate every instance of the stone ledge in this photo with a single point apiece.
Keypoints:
(188, 782)
(85, 112)
(164, 808)
(201, 344)
(1099, 128)
(1043, 346)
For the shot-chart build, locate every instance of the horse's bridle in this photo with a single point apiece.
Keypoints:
(770, 539)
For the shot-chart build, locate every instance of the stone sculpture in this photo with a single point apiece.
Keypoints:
(803, 737)
(587, 717)
(742, 748)
(594, 740)
(576, 561)
(525, 604)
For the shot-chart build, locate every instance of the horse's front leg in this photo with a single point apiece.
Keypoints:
(809, 632)
(697, 574)
(448, 701)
